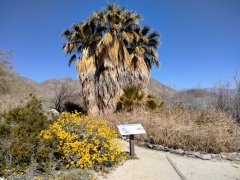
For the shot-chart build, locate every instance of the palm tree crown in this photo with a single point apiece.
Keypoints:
(108, 24)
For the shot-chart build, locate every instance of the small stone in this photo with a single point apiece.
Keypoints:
(159, 147)
(171, 150)
(234, 156)
(216, 156)
(229, 156)
(224, 155)
(141, 143)
(197, 154)
(179, 151)
(206, 157)
(236, 159)
(191, 153)
(146, 144)
(166, 149)
(149, 145)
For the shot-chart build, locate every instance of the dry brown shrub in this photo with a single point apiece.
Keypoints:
(206, 131)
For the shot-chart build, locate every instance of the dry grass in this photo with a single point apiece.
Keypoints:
(210, 132)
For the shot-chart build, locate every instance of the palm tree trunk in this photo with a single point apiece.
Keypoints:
(104, 75)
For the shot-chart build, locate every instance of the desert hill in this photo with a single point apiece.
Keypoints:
(46, 90)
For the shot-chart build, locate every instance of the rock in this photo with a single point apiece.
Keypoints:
(166, 149)
(171, 150)
(216, 156)
(52, 113)
(234, 156)
(189, 153)
(179, 151)
(236, 159)
(159, 147)
(224, 155)
(202, 156)
(206, 156)
(148, 145)
(197, 154)
(230, 156)
(141, 143)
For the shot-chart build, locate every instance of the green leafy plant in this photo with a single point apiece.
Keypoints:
(153, 102)
(19, 135)
(133, 98)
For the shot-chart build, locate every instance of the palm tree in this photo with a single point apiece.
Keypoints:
(109, 45)
(132, 97)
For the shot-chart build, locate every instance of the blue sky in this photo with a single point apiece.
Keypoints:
(200, 39)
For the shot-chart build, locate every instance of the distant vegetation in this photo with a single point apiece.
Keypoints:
(222, 97)
(6, 71)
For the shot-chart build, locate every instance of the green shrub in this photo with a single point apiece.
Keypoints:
(133, 98)
(153, 102)
(19, 135)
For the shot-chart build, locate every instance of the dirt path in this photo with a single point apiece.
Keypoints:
(155, 165)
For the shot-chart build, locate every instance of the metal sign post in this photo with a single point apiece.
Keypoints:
(131, 129)
(131, 145)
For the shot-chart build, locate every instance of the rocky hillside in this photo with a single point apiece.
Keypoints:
(165, 92)
(195, 98)
(48, 89)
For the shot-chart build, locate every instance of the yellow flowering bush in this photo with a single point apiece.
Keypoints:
(83, 142)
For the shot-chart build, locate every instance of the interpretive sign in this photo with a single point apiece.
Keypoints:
(128, 129)
(131, 129)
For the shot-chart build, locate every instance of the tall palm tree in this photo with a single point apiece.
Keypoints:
(110, 44)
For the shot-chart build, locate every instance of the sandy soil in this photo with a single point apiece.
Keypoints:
(155, 165)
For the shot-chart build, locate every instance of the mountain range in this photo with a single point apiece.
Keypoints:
(47, 90)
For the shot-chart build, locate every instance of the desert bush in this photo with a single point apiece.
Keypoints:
(81, 142)
(174, 127)
(19, 135)
(6, 71)
(153, 102)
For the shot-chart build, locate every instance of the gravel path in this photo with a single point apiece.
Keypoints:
(157, 165)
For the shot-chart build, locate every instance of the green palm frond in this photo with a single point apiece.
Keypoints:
(153, 43)
(133, 97)
(81, 35)
(72, 58)
(145, 30)
(145, 45)
(153, 35)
